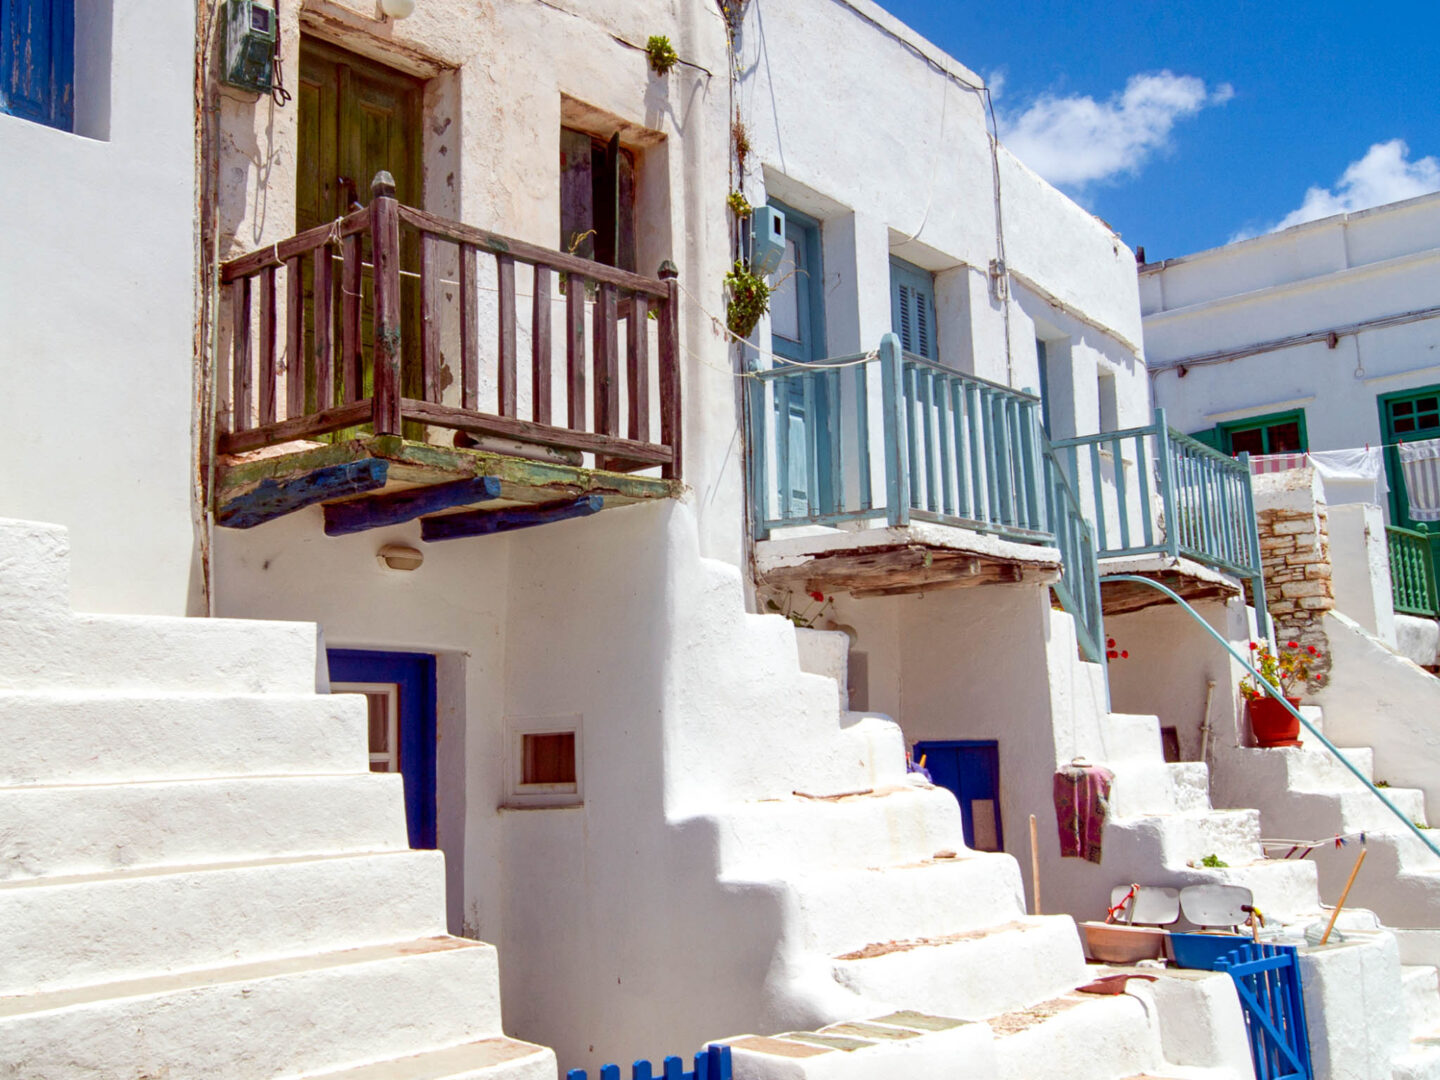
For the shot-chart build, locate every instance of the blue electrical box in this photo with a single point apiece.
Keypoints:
(251, 31)
(767, 239)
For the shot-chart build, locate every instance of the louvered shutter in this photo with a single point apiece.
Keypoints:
(912, 308)
(37, 60)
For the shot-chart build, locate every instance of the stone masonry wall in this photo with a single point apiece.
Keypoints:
(1295, 552)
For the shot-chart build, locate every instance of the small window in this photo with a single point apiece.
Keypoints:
(545, 763)
(912, 308)
(382, 702)
(597, 198)
(1278, 433)
(37, 61)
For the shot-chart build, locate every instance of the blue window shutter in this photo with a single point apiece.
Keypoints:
(912, 308)
(37, 61)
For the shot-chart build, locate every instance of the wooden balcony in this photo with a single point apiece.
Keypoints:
(885, 474)
(347, 366)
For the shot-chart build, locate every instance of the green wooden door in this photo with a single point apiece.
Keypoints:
(357, 118)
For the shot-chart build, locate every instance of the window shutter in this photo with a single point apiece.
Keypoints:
(37, 61)
(1211, 437)
(912, 308)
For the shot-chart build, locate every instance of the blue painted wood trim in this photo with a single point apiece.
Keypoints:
(897, 468)
(508, 519)
(401, 506)
(37, 61)
(414, 674)
(271, 499)
(1165, 460)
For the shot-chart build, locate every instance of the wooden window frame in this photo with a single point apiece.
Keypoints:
(52, 101)
(1264, 423)
(611, 202)
(519, 794)
(1399, 499)
(919, 280)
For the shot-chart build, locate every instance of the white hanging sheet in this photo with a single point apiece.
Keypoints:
(1364, 466)
(1420, 463)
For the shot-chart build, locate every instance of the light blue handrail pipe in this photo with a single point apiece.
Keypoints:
(1206, 499)
(1278, 696)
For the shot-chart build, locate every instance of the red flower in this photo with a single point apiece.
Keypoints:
(1111, 654)
(1125, 654)
(1292, 644)
(817, 596)
(1314, 651)
(1109, 642)
(1253, 646)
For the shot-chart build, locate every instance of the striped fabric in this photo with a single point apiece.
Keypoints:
(1273, 463)
(1420, 464)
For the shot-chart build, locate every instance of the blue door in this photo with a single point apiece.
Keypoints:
(399, 689)
(971, 770)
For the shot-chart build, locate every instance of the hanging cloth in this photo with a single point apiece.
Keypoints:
(1420, 465)
(1345, 467)
(1260, 464)
(1082, 804)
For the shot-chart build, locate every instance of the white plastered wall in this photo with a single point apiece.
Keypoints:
(97, 303)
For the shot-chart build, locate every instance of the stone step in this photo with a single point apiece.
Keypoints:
(173, 823)
(1422, 997)
(1158, 787)
(1285, 890)
(1078, 1037)
(255, 1021)
(888, 827)
(64, 932)
(903, 1043)
(1132, 737)
(154, 653)
(34, 570)
(91, 737)
(1421, 1062)
(973, 974)
(843, 910)
(1280, 769)
(1177, 839)
(498, 1058)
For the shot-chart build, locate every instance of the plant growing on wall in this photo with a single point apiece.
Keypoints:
(739, 205)
(661, 53)
(740, 137)
(815, 606)
(749, 299)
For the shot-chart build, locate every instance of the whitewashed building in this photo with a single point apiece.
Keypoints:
(405, 372)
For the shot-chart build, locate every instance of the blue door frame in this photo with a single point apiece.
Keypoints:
(970, 769)
(414, 676)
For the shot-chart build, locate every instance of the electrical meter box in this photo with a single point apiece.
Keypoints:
(250, 35)
(767, 239)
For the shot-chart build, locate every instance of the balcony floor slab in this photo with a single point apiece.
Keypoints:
(1192, 581)
(919, 557)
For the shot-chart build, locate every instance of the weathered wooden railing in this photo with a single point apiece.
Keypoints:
(336, 376)
(1412, 572)
(1205, 503)
(894, 437)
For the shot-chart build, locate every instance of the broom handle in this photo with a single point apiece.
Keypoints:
(1343, 894)
(1034, 867)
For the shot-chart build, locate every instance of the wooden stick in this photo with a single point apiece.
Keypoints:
(1343, 894)
(1034, 868)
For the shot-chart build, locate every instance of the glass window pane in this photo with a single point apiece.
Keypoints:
(785, 295)
(1285, 438)
(1248, 441)
(549, 758)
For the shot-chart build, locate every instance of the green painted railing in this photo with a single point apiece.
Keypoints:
(894, 437)
(1155, 490)
(1412, 572)
(1275, 693)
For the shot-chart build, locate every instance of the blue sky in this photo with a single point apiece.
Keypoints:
(1188, 124)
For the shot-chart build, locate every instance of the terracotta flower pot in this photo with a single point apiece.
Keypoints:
(1272, 723)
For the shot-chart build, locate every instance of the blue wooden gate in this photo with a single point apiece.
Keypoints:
(712, 1063)
(1267, 978)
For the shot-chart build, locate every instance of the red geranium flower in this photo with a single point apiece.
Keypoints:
(817, 596)
(1292, 644)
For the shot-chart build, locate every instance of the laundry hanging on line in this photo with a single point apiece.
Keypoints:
(1082, 806)
(1361, 465)
(1420, 465)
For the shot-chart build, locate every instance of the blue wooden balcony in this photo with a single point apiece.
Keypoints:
(1158, 500)
(888, 473)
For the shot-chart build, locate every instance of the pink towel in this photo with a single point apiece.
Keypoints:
(1082, 803)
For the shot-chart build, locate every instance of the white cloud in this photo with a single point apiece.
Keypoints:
(1077, 140)
(1385, 174)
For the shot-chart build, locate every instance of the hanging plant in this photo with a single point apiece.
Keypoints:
(662, 54)
(739, 205)
(749, 299)
(741, 138)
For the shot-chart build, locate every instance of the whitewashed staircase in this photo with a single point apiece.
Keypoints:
(199, 877)
(885, 908)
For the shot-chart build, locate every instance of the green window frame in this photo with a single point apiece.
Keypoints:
(1407, 416)
(1270, 429)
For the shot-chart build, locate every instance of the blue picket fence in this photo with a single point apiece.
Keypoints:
(1267, 978)
(712, 1063)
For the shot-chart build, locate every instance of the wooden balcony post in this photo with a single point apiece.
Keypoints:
(671, 416)
(385, 256)
(897, 461)
(1170, 505)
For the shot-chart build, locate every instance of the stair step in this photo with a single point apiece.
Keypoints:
(1186, 836)
(1077, 1037)
(34, 570)
(971, 975)
(67, 932)
(174, 823)
(253, 1021)
(67, 737)
(1422, 997)
(156, 652)
(499, 1058)
(843, 910)
(887, 827)
(1132, 737)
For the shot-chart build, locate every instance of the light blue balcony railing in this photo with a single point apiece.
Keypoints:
(1154, 490)
(896, 438)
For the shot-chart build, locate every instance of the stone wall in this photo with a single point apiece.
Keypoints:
(1295, 550)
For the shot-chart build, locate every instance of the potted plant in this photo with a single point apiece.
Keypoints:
(1289, 672)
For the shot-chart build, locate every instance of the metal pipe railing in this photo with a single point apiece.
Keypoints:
(1278, 696)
